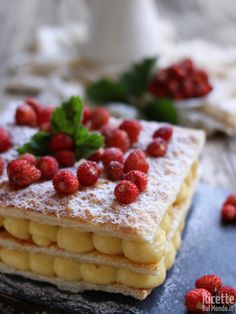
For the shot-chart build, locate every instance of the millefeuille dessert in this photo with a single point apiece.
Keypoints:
(116, 227)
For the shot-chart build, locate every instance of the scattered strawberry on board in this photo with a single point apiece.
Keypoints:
(228, 209)
(209, 294)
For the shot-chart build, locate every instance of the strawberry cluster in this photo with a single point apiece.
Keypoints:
(135, 166)
(122, 137)
(32, 113)
(228, 210)
(130, 170)
(62, 147)
(161, 138)
(200, 299)
(66, 182)
(95, 118)
(27, 170)
(134, 177)
(22, 173)
(181, 80)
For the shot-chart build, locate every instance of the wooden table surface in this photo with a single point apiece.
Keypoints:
(214, 20)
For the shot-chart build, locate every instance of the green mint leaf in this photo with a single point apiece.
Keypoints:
(67, 117)
(87, 142)
(105, 90)
(135, 81)
(81, 135)
(161, 110)
(38, 144)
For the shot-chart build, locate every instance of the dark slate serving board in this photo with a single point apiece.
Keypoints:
(208, 247)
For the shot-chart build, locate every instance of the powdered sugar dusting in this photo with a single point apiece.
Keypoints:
(96, 209)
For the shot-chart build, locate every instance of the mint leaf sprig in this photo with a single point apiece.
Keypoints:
(87, 142)
(38, 144)
(66, 119)
(135, 81)
(131, 87)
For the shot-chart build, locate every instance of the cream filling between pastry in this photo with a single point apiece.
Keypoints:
(72, 270)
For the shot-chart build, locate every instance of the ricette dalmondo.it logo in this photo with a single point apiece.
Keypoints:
(215, 303)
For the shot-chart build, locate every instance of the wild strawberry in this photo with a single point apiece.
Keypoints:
(5, 140)
(164, 132)
(231, 200)
(99, 117)
(88, 173)
(97, 156)
(180, 80)
(228, 213)
(48, 166)
(112, 154)
(65, 182)
(227, 295)
(138, 178)
(2, 165)
(187, 64)
(107, 131)
(211, 283)
(65, 158)
(136, 161)
(201, 89)
(30, 158)
(200, 75)
(61, 141)
(21, 173)
(86, 114)
(188, 87)
(34, 104)
(120, 139)
(162, 75)
(157, 148)
(126, 192)
(115, 170)
(132, 128)
(176, 71)
(25, 115)
(44, 118)
(172, 87)
(197, 299)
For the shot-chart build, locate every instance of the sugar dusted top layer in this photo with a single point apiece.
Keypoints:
(95, 208)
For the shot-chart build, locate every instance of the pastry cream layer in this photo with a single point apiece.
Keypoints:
(76, 241)
(72, 270)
